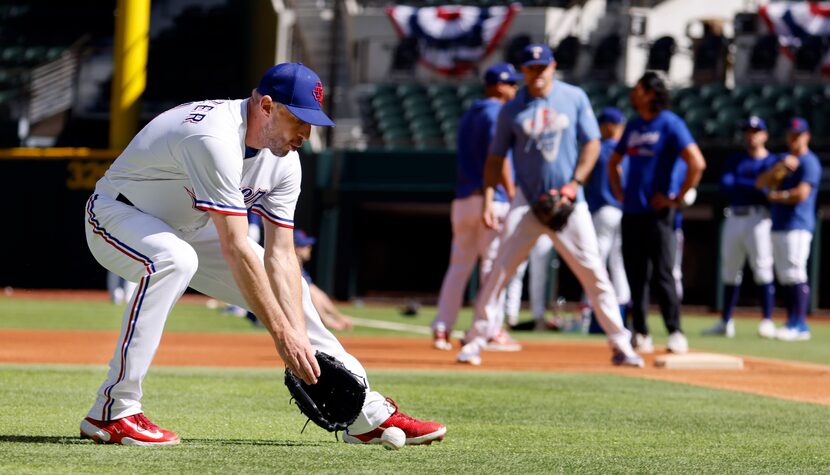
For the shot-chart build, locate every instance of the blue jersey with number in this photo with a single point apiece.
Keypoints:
(545, 134)
(738, 180)
(802, 215)
(598, 188)
(652, 148)
(475, 131)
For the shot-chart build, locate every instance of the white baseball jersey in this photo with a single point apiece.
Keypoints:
(191, 161)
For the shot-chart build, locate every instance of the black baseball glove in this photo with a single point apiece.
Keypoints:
(335, 401)
(554, 207)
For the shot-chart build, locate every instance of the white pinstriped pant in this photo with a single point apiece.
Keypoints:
(142, 248)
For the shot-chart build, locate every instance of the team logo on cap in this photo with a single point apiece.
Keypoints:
(536, 51)
(318, 93)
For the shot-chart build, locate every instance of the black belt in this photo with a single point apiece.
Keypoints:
(745, 210)
(124, 200)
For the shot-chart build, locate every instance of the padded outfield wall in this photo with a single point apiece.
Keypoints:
(382, 219)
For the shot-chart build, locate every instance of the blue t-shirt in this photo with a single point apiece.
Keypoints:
(475, 131)
(738, 180)
(544, 134)
(801, 215)
(598, 189)
(652, 148)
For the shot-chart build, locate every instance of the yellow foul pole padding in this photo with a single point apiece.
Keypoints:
(132, 32)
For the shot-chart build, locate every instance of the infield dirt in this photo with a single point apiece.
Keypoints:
(781, 379)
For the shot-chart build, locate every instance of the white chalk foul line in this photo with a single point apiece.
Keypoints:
(401, 327)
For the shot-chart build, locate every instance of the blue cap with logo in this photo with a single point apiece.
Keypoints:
(611, 115)
(536, 54)
(755, 122)
(301, 239)
(798, 125)
(501, 73)
(299, 89)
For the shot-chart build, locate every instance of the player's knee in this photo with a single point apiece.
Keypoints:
(184, 260)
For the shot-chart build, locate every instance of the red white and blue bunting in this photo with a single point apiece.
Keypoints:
(794, 22)
(453, 39)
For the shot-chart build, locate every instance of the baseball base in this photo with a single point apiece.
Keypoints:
(699, 361)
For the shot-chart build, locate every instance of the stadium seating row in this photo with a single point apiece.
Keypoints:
(426, 116)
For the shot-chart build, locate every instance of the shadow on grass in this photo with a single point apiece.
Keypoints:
(46, 439)
(42, 439)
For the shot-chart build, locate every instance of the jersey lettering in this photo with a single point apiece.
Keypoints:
(194, 118)
(250, 196)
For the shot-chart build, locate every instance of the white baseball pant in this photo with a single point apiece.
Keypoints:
(144, 249)
(471, 240)
(576, 243)
(677, 266)
(608, 224)
(538, 262)
(747, 237)
(790, 252)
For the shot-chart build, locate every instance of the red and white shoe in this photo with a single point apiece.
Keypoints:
(130, 430)
(441, 340)
(417, 432)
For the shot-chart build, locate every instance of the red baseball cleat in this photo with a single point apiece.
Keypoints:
(417, 432)
(130, 430)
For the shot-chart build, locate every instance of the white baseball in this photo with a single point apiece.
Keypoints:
(690, 197)
(392, 438)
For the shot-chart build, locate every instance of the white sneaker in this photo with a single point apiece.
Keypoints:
(643, 344)
(502, 342)
(766, 329)
(678, 344)
(792, 334)
(726, 329)
(440, 340)
(470, 354)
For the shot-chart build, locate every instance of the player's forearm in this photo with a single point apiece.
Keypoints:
(793, 196)
(252, 280)
(614, 175)
(587, 160)
(507, 178)
(695, 164)
(493, 171)
(322, 302)
(285, 278)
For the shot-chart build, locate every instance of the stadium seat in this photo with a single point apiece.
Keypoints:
(754, 102)
(773, 91)
(411, 89)
(743, 91)
(787, 106)
(709, 91)
(467, 91)
(660, 53)
(441, 89)
(725, 101)
(384, 100)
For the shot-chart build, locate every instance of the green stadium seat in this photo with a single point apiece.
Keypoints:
(774, 91)
(391, 110)
(729, 116)
(697, 114)
(446, 102)
(754, 102)
(415, 101)
(441, 89)
(384, 100)
(466, 91)
(12, 56)
(787, 106)
(391, 123)
(617, 90)
(710, 91)
(35, 55)
(742, 91)
(383, 89)
(411, 89)
(725, 101)
(690, 102)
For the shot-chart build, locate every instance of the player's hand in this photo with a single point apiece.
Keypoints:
(790, 163)
(568, 192)
(296, 352)
(660, 202)
(488, 215)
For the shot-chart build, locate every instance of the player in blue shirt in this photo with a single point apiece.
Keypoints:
(606, 211)
(746, 230)
(471, 239)
(553, 134)
(792, 187)
(651, 144)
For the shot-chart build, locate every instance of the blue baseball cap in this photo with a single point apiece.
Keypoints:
(755, 122)
(501, 73)
(299, 89)
(611, 115)
(536, 54)
(301, 239)
(798, 125)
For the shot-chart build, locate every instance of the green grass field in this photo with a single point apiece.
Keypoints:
(240, 421)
